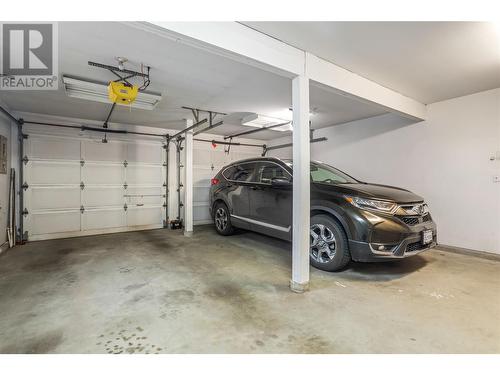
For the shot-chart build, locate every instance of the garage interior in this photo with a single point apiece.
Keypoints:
(115, 246)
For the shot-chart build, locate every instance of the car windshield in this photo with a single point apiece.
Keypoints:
(325, 174)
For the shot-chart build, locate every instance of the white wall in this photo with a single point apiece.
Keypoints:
(446, 159)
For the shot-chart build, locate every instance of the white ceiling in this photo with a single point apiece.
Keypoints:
(185, 76)
(428, 61)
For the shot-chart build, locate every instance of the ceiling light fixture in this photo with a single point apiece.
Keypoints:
(259, 121)
(98, 92)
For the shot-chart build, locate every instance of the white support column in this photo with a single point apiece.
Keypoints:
(301, 185)
(188, 181)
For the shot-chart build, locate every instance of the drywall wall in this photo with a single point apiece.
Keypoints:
(446, 159)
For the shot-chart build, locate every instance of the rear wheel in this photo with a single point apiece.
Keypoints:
(222, 219)
(329, 249)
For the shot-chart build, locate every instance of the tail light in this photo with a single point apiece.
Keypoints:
(214, 181)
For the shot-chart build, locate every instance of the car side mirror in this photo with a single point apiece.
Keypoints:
(281, 183)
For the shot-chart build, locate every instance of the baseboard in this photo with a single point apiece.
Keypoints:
(464, 251)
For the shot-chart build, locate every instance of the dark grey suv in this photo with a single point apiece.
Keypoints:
(350, 219)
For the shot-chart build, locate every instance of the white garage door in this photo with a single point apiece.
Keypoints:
(207, 162)
(78, 186)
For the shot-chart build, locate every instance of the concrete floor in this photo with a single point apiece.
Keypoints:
(160, 292)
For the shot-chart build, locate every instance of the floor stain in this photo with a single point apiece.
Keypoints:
(314, 345)
(178, 297)
(43, 344)
(125, 269)
(132, 287)
(127, 341)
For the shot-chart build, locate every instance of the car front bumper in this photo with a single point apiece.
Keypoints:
(390, 238)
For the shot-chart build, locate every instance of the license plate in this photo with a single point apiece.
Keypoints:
(426, 237)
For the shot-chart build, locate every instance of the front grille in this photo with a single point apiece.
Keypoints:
(410, 220)
(414, 220)
(416, 246)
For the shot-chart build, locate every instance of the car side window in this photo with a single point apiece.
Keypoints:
(239, 172)
(267, 171)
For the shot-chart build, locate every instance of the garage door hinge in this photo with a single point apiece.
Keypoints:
(25, 186)
(25, 212)
(181, 166)
(181, 204)
(82, 162)
(82, 209)
(125, 186)
(25, 160)
(125, 207)
(164, 204)
(82, 185)
(164, 164)
(125, 163)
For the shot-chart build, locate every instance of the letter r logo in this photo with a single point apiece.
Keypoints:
(27, 49)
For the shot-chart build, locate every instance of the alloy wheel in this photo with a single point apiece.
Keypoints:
(323, 243)
(221, 219)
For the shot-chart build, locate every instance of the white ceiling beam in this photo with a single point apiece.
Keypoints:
(355, 86)
(243, 44)
(235, 41)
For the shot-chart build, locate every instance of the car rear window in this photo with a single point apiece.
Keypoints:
(267, 171)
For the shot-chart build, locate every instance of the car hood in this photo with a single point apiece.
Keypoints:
(374, 191)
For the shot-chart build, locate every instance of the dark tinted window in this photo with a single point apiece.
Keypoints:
(267, 171)
(239, 172)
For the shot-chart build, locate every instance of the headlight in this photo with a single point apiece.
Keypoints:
(370, 204)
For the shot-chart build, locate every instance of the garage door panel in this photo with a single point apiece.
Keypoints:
(202, 177)
(103, 174)
(103, 196)
(149, 196)
(104, 219)
(145, 153)
(53, 173)
(49, 222)
(98, 151)
(141, 174)
(220, 158)
(238, 155)
(201, 213)
(50, 198)
(40, 147)
(54, 196)
(201, 157)
(138, 216)
(201, 194)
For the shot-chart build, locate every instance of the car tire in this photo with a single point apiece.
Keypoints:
(222, 219)
(329, 248)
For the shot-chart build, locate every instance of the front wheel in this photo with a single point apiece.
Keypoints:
(329, 249)
(222, 219)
